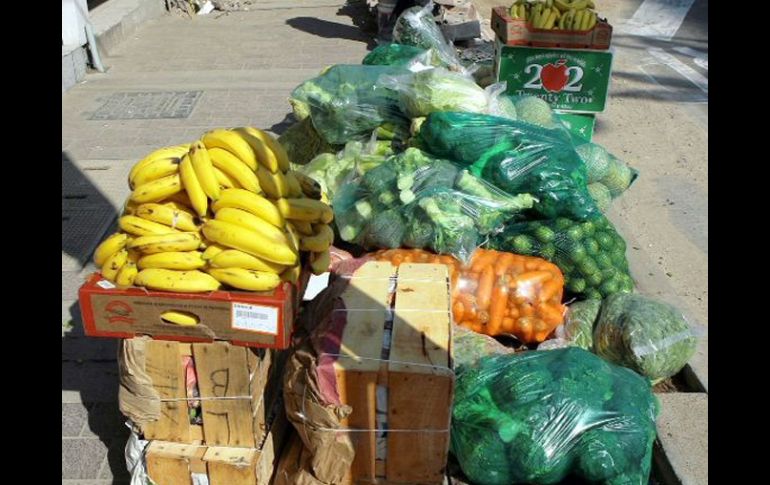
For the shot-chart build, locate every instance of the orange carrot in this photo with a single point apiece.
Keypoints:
(550, 289)
(484, 291)
(524, 329)
(482, 258)
(497, 309)
(551, 314)
(502, 264)
(458, 311)
(532, 264)
(534, 277)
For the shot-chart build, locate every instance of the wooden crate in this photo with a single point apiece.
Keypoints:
(237, 387)
(414, 377)
(170, 463)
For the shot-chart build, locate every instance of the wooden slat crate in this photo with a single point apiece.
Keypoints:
(170, 463)
(237, 387)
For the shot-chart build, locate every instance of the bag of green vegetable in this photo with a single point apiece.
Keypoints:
(302, 143)
(537, 417)
(608, 176)
(393, 54)
(578, 328)
(591, 254)
(347, 103)
(651, 337)
(418, 201)
(417, 27)
(515, 156)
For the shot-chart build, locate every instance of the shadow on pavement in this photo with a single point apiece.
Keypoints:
(282, 125)
(330, 30)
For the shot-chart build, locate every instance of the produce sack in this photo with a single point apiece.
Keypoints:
(579, 321)
(432, 90)
(498, 293)
(417, 27)
(537, 417)
(469, 346)
(608, 176)
(515, 156)
(346, 102)
(303, 143)
(591, 254)
(418, 201)
(394, 54)
(651, 337)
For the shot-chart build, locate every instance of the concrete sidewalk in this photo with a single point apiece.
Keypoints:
(215, 70)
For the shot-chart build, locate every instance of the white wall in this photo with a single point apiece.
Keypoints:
(73, 22)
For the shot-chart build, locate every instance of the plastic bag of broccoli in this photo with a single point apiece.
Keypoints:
(651, 337)
(417, 27)
(347, 103)
(515, 156)
(591, 254)
(537, 417)
(417, 201)
(302, 143)
(408, 56)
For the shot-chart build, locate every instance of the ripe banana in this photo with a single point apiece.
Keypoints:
(293, 236)
(280, 153)
(319, 262)
(245, 279)
(212, 251)
(126, 275)
(142, 227)
(291, 275)
(273, 183)
(181, 281)
(164, 214)
(250, 202)
(305, 210)
(183, 261)
(178, 317)
(295, 189)
(310, 187)
(303, 227)
(181, 241)
(157, 190)
(584, 25)
(167, 152)
(235, 169)
(249, 221)
(562, 5)
(592, 21)
(109, 246)
(233, 143)
(578, 4)
(232, 258)
(320, 241)
(549, 23)
(204, 170)
(180, 201)
(113, 264)
(193, 186)
(264, 154)
(577, 21)
(224, 180)
(162, 167)
(236, 237)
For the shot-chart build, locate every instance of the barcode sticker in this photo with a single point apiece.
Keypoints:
(254, 318)
(107, 285)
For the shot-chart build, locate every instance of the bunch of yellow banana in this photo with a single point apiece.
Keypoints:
(556, 14)
(225, 209)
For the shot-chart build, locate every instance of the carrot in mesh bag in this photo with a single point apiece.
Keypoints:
(498, 293)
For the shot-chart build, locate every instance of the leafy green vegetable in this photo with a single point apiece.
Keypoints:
(579, 323)
(537, 417)
(535, 111)
(648, 336)
(302, 143)
(432, 90)
(416, 27)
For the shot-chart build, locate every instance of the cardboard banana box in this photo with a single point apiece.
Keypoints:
(518, 32)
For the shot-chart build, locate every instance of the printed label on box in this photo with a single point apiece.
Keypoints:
(255, 318)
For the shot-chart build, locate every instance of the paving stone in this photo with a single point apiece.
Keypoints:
(683, 434)
(89, 382)
(106, 422)
(73, 418)
(82, 457)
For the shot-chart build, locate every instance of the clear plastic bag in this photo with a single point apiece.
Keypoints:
(537, 417)
(417, 201)
(578, 328)
(410, 57)
(591, 254)
(303, 143)
(651, 337)
(515, 156)
(347, 103)
(417, 27)
(608, 176)
(498, 293)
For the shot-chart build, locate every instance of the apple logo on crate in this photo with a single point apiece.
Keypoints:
(119, 312)
(554, 76)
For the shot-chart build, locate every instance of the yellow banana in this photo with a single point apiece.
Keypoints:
(549, 3)
(178, 317)
(319, 262)
(181, 260)
(295, 189)
(551, 19)
(563, 20)
(305, 210)
(113, 264)
(293, 236)
(193, 186)
(310, 187)
(589, 21)
(524, 11)
(578, 20)
(513, 11)
(157, 190)
(180, 201)
(250, 202)
(318, 242)
(578, 4)
(232, 258)
(204, 170)
(142, 227)
(273, 183)
(126, 275)
(171, 280)
(212, 251)
(562, 5)
(233, 143)
(109, 246)
(281, 156)
(162, 167)
(537, 12)
(265, 156)
(167, 215)
(164, 243)
(225, 181)
(246, 279)
(237, 237)
(235, 169)
(249, 221)
(303, 227)
(590, 4)
(292, 274)
(167, 152)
